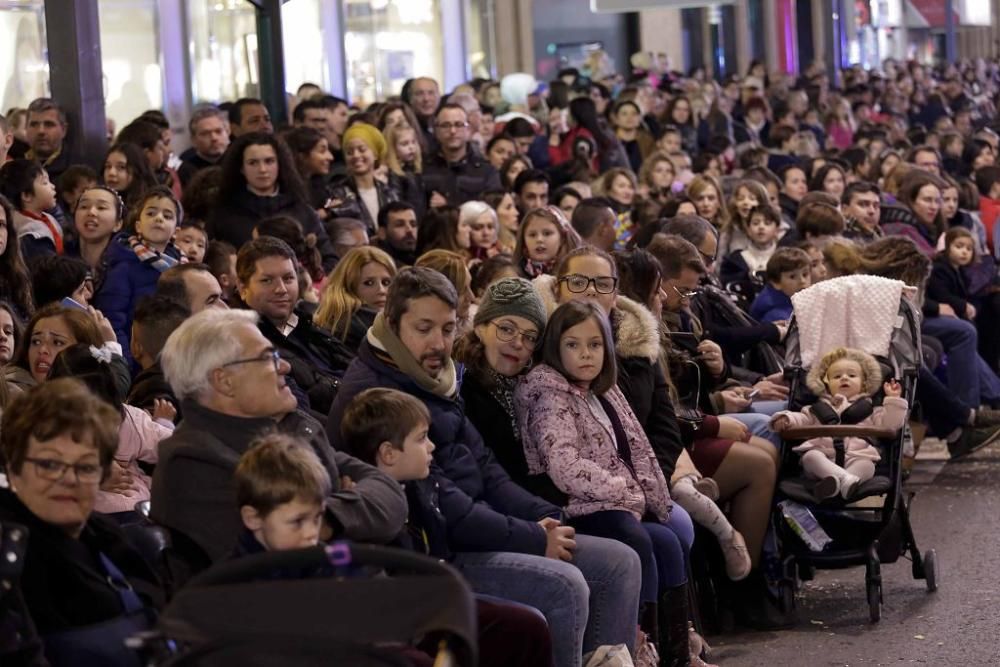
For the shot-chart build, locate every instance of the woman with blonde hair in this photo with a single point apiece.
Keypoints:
(483, 229)
(706, 194)
(656, 177)
(620, 187)
(452, 266)
(404, 162)
(355, 293)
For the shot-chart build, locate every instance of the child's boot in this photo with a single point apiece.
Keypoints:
(826, 488)
(848, 484)
(734, 550)
(706, 486)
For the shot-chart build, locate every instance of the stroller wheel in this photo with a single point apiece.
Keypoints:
(930, 570)
(787, 596)
(874, 601)
(873, 588)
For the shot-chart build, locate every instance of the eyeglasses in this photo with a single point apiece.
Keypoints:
(450, 126)
(271, 355)
(508, 332)
(687, 294)
(53, 470)
(579, 284)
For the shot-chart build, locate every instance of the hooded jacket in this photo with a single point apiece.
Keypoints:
(233, 221)
(566, 438)
(483, 508)
(126, 280)
(641, 377)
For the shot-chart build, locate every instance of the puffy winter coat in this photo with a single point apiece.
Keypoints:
(484, 509)
(564, 437)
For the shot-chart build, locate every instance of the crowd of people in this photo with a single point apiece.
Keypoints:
(534, 331)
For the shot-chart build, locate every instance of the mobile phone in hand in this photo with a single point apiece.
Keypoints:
(70, 302)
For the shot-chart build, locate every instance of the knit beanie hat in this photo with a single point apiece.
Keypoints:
(368, 134)
(511, 296)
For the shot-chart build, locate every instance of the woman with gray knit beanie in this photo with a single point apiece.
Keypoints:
(497, 351)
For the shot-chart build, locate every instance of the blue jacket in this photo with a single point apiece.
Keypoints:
(126, 280)
(484, 510)
(771, 305)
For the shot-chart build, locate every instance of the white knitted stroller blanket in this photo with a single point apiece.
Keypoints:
(851, 311)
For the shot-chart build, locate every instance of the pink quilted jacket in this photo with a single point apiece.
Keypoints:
(564, 438)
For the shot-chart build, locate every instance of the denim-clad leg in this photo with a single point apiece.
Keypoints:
(624, 527)
(758, 425)
(555, 588)
(591, 602)
(943, 410)
(960, 342)
(613, 573)
(767, 407)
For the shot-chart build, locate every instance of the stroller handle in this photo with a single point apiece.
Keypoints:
(338, 554)
(837, 431)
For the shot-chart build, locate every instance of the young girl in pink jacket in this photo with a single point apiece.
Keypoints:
(138, 435)
(578, 429)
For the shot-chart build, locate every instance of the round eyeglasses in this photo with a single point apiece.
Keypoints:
(579, 284)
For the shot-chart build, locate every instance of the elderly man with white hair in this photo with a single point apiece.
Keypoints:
(231, 384)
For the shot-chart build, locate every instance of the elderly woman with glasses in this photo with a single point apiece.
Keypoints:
(83, 589)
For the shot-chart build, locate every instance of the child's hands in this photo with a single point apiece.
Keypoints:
(346, 483)
(970, 311)
(163, 409)
(892, 388)
(780, 423)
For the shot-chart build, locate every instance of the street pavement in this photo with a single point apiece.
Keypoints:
(956, 512)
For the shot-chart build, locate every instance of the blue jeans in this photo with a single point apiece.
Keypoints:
(969, 376)
(590, 602)
(759, 425)
(767, 407)
(663, 549)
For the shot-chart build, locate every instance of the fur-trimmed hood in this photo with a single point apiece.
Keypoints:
(869, 366)
(634, 327)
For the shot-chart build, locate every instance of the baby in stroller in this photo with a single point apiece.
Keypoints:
(844, 380)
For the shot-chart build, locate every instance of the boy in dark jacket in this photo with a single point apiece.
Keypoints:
(787, 272)
(388, 429)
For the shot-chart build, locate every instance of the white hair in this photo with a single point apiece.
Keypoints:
(470, 211)
(201, 344)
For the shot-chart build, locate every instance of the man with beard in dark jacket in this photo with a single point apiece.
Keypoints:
(231, 384)
(506, 541)
(267, 280)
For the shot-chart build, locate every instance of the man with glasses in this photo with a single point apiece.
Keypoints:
(231, 382)
(456, 173)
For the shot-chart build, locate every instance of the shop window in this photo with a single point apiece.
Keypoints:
(480, 37)
(387, 42)
(130, 58)
(223, 50)
(24, 61)
(303, 32)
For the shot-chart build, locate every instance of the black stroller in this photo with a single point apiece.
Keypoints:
(267, 609)
(872, 532)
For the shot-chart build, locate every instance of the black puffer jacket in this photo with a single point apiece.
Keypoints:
(233, 221)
